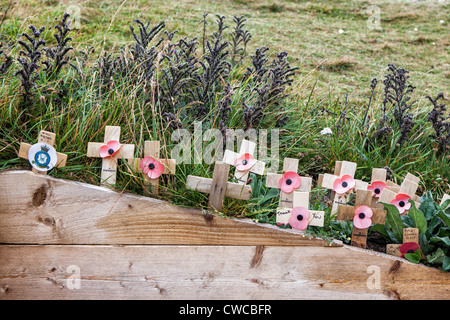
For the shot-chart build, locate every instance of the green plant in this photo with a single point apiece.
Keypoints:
(433, 222)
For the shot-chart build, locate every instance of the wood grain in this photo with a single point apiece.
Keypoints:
(36, 209)
(213, 272)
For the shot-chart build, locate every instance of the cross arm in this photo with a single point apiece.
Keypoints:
(126, 150)
(234, 190)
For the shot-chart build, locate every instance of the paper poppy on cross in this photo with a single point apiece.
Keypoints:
(244, 161)
(152, 166)
(342, 183)
(111, 150)
(400, 195)
(362, 215)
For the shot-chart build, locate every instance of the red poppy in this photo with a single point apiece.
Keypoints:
(362, 218)
(289, 182)
(401, 202)
(109, 149)
(299, 218)
(245, 162)
(344, 184)
(376, 187)
(408, 247)
(152, 167)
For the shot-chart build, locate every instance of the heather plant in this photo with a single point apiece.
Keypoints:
(440, 121)
(30, 59)
(239, 40)
(6, 60)
(58, 56)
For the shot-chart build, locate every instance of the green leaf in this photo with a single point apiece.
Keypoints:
(436, 257)
(414, 257)
(393, 221)
(444, 240)
(418, 217)
(444, 216)
(446, 263)
(427, 206)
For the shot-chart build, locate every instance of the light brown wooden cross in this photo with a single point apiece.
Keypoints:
(409, 235)
(230, 158)
(152, 149)
(287, 199)
(109, 164)
(218, 187)
(347, 213)
(301, 199)
(327, 181)
(409, 187)
(47, 138)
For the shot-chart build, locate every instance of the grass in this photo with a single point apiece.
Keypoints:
(333, 82)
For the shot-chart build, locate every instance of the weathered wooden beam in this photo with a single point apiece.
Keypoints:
(212, 272)
(36, 209)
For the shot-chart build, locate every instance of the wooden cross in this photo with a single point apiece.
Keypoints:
(360, 212)
(287, 199)
(300, 200)
(341, 169)
(42, 156)
(231, 158)
(109, 163)
(152, 149)
(218, 187)
(409, 187)
(409, 235)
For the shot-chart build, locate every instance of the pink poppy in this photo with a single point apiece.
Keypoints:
(152, 167)
(289, 182)
(344, 184)
(245, 162)
(401, 202)
(362, 218)
(408, 247)
(376, 187)
(299, 218)
(109, 149)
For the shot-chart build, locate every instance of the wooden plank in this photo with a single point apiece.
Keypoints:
(36, 209)
(213, 272)
(218, 186)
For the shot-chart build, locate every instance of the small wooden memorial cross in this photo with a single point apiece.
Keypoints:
(218, 187)
(288, 182)
(409, 235)
(42, 155)
(342, 183)
(244, 161)
(110, 151)
(400, 198)
(152, 166)
(362, 215)
(299, 216)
